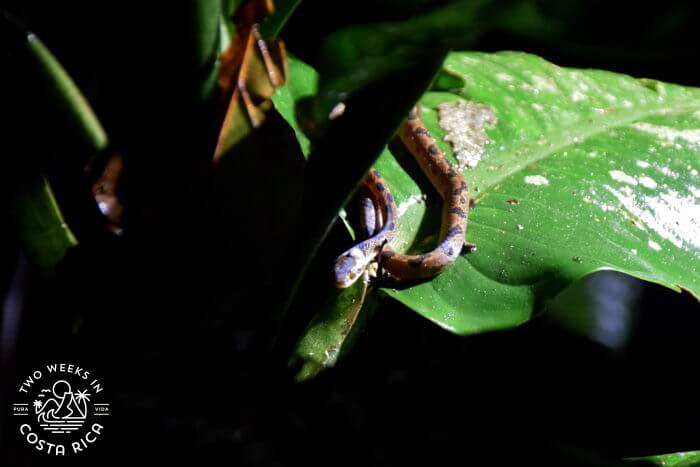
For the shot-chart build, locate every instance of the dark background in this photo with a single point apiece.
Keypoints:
(188, 369)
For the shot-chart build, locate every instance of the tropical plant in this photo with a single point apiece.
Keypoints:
(172, 162)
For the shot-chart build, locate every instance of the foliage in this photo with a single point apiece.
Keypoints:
(584, 170)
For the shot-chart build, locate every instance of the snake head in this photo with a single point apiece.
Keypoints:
(349, 267)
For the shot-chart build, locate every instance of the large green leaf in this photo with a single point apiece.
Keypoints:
(585, 170)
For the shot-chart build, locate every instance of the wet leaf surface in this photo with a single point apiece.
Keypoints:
(585, 170)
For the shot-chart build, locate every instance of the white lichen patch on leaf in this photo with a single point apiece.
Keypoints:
(667, 172)
(578, 96)
(643, 164)
(654, 246)
(544, 83)
(465, 123)
(668, 135)
(620, 176)
(643, 180)
(673, 216)
(529, 88)
(504, 77)
(647, 182)
(536, 180)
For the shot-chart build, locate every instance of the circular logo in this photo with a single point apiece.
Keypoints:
(60, 409)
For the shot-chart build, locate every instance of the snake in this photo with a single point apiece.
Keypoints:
(451, 186)
(379, 218)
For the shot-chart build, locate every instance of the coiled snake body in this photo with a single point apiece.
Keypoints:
(452, 188)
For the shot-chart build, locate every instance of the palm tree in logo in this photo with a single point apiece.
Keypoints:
(37, 405)
(82, 395)
(81, 398)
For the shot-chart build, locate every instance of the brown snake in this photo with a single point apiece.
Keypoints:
(452, 188)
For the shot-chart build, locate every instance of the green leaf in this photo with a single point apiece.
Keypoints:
(328, 334)
(63, 101)
(358, 56)
(340, 151)
(678, 459)
(302, 82)
(585, 170)
(207, 35)
(39, 223)
(51, 125)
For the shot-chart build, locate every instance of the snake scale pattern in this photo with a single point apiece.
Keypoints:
(403, 268)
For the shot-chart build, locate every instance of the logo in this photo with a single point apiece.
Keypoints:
(60, 409)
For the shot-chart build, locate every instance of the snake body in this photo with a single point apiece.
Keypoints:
(351, 263)
(452, 188)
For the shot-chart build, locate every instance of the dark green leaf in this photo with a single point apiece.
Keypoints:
(52, 125)
(64, 105)
(327, 335)
(39, 223)
(206, 18)
(359, 55)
